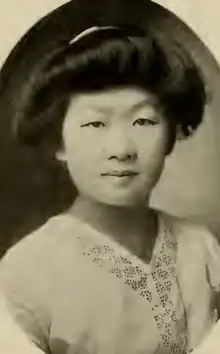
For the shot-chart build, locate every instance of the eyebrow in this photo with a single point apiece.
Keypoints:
(146, 102)
(103, 110)
(149, 101)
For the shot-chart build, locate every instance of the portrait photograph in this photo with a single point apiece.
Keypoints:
(110, 174)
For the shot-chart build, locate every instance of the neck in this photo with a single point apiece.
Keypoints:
(133, 227)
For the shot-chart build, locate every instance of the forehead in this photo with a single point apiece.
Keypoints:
(113, 98)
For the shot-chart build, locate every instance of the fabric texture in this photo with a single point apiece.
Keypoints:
(75, 291)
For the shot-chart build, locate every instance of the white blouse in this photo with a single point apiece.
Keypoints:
(74, 290)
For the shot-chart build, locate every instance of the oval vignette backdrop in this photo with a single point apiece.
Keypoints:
(30, 186)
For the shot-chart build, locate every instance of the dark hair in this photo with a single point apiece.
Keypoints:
(109, 58)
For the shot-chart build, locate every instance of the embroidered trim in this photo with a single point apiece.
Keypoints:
(158, 286)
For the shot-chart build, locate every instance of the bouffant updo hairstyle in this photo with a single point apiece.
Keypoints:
(109, 57)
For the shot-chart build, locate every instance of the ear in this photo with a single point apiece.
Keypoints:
(179, 134)
(60, 155)
(172, 139)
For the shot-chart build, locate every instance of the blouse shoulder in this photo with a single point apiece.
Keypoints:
(40, 252)
(196, 242)
(190, 232)
(55, 230)
(31, 270)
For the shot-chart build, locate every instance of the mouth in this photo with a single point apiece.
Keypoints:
(120, 173)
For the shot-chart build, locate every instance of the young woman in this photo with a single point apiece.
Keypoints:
(111, 275)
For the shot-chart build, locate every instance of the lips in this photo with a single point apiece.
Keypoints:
(120, 173)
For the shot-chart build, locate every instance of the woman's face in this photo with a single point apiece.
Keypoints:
(115, 142)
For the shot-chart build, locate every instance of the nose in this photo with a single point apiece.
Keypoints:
(120, 146)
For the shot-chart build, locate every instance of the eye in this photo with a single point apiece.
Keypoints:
(95, 124)
(145, 121)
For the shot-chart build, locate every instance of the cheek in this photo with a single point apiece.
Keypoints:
(83, 154)
(152, 147)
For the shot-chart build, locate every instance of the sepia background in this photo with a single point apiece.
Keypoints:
(30, 187)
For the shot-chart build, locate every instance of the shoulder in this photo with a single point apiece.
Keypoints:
(39, 254)
(33, 272)
(54, 234)
(196, 242)
(186, 230)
